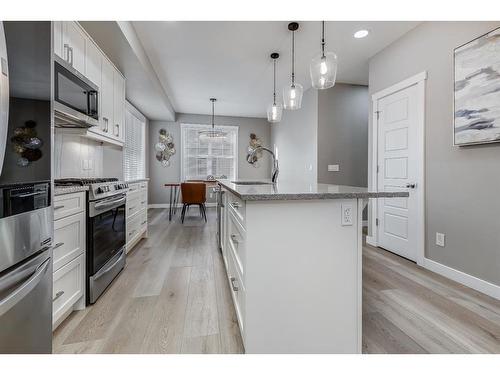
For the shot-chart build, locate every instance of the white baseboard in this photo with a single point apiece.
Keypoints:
(473, 282)
(179, 205)
(370, 240)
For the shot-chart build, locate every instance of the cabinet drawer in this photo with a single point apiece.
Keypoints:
(236, 236)
(144, 220)
(68, 287)
(133, 204)
(238, 292)
(133, 227)
(69, 239)
(237, 206)
(68, 204)
(134, 187)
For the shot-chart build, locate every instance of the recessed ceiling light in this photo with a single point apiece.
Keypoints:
(361, 34)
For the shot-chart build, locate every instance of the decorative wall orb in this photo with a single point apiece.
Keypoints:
(160, 146)
(165, 148)
(33, 143)
(165, 163)
(22, 162)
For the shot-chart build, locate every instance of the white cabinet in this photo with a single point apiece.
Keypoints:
(68, 256)
(137, 213)
(118, 105)
(93, 58)
(106, 93)
(74, 46)
(68, 289)
(58, 39)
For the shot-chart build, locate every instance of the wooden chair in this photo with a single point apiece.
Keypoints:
(193, 193)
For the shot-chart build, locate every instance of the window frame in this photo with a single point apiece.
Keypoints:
(131, 111)
(201, 127)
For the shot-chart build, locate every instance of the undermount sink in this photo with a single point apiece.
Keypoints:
(251, 183)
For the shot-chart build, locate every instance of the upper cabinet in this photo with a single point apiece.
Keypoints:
(118, 105)
(93, 61)
(74, 45)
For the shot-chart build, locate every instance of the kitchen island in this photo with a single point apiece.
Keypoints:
(293, 258)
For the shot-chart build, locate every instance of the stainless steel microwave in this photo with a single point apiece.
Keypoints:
(76, 101)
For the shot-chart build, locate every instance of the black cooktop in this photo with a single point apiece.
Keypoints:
(82, 181)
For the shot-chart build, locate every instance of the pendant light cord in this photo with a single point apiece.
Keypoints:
(274, 83)
(293, 58)
(323, 39)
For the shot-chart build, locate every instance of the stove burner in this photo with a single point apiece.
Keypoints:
(82, 181)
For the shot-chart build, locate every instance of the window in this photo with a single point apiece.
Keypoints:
(202, 157)
(134, 149)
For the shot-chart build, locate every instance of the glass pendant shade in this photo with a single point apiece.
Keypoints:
(274, 112)
(323, 70)
(292, 96)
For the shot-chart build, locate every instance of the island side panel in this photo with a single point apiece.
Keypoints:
(303, 277)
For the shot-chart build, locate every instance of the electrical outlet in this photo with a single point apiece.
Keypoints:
(440, 238)
(333, 168)
(346, 214)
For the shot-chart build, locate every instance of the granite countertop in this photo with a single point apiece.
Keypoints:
(303, 191)
(60, 190)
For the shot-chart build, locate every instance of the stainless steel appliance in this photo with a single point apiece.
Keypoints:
(105, 231)
(26, 217)
(75, 97)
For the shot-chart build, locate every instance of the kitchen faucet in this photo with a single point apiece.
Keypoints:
(252, 159)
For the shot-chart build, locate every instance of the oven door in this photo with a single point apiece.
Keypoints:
(106, 231)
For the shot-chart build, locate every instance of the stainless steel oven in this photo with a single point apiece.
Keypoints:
(76, 99)
(105, 243)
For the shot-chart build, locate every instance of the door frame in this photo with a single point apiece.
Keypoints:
(418, 80)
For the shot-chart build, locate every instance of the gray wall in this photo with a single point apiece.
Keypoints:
(159, 175)
(295, 137)
(461, 184)
(343, 134)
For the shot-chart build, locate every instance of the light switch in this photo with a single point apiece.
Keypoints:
(440, 239)
(333, 168)
(346, 209)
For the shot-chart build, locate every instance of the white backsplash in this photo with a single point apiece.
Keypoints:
(76, 156)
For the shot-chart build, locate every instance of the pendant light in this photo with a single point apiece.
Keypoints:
(213, 133)
(292, 95)
(323, 67)
(275, 110)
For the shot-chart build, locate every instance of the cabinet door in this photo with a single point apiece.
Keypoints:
(74, 39)
(58, 40)
(93, 63)
(118, 105)
(106, 117)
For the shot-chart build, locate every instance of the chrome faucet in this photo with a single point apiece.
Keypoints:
(252, 159)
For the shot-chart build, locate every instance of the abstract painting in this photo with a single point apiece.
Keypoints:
(477, 91)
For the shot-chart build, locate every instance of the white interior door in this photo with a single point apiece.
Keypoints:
(398, 170)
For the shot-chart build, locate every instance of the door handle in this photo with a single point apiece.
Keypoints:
(233, 284)
(66, 52)
(58, 245)
(411, 185)
(58, 294)
(19, 293)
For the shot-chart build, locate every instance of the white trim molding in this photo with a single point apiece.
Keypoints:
(473, 282)
(419, 81)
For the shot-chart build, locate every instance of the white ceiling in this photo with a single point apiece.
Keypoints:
(230, 60)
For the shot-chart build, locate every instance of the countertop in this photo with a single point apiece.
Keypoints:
(304, 191)
(60, 190)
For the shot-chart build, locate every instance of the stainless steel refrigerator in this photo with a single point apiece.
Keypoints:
(26, 221)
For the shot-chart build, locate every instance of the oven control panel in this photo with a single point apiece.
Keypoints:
(107, 189)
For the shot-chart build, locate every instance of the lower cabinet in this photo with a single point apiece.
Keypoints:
(137, 213)
(68, 291)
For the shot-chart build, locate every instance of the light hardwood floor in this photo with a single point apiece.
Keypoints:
(173, 297)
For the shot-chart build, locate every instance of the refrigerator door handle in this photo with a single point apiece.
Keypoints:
(20, 292)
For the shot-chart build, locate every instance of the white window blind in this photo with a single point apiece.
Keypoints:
(202, 157)
(134, 149)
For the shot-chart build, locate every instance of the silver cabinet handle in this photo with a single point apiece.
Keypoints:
(117, 127)
(234, 238)
(233, 284)
(105, 124)
(143, 202)
(58, 245)
(58, 207)
(70, 55)
(144, 222)
(66, 52)
(132, 232)
(411, 185)
(235, 205)
(58, 294)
